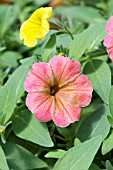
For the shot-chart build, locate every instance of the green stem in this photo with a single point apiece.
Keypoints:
(96, 53)
(59, 137)
(61, 145)
(92, 54)
(82, 60)
(70, 33)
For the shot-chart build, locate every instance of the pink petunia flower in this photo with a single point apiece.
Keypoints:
(108, 41)
(57, 91)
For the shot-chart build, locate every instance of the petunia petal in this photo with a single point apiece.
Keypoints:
(38, 78)
(41, 13)
(47, 12)
(36, 27)
(110, 53)
(41, 105)
(79, 92)
(83, 90)
(64, 69)
(108, 41)
(109, 26)
(65, 112)
(29, 32)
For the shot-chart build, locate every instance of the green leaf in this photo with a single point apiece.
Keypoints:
(94, 167)
(111, 101)
(96, 124)
(67, 132)
(40, 3)
(27, 127)
(79, 157)
(11, 92)
(8, 59)
(87, 40)
(109, 165)
(87, 111)
(107, 144)
(50, 48)
(77, 142)
(82, 13)
(100, 75)
(3, 162)
(63, 40)
(28, 62)
(20, 158)
(58, 153)
(3, 75)
(7, 17)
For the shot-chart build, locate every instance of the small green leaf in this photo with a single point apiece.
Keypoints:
(3, 162)
(96, 124)
(20, 158)
(111, 101)
(107, 144)
(50, 48)
(99, 73)
(27, 127)
(77, 142)
(58, 153)
(109, 165)
(79, 157)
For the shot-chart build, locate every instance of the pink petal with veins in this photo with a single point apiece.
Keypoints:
(41, 105)
(64, 69)
(57, 91)
(65, 112)
(108, 41)
(110, 53)
(109, 26)
(83, 90)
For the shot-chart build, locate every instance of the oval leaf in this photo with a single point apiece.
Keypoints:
(79, 157)
(3, 162)
(99, 73)
(11, 92)
(87, 40)
(50, 48)
(111, 101)
(107, 144)
(97, 124)
(20, 158)
(27, 127)
(55, 154)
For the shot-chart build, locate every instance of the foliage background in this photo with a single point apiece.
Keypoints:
(27, 144)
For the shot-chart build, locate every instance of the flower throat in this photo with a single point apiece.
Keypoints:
(54, 90)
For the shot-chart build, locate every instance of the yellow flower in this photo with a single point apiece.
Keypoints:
(36, 27)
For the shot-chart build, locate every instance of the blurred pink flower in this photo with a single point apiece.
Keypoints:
(57, 91)
(108, 41)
